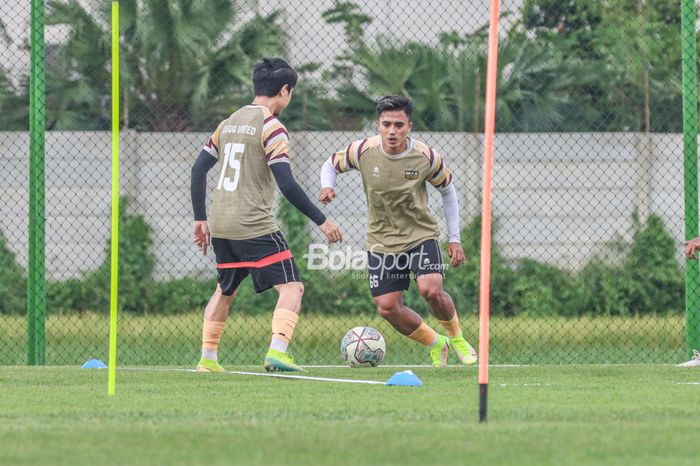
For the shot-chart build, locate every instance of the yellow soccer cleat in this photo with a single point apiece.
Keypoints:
(465, 352)
(207, 365)
(438, 353)
(277, 361)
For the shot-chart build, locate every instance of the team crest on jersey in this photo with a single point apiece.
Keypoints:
(411, 174)
(375, 171)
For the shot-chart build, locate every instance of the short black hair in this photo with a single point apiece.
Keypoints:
(270, 75)
(395, 102)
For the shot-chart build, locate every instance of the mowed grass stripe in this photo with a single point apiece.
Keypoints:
(582, 415)
(175, 340)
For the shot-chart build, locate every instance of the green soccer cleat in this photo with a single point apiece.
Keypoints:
(438, 353)
(465, 352)
(277, 361)
(207, 365)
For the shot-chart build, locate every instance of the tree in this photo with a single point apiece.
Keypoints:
(466, 70)
(308, 109)
(641, 52)
(446, 81)
(626, 51)
(413, 69)
(183, 66)
(350, 15)
(571, 23)
(533, 83)
(14, 112)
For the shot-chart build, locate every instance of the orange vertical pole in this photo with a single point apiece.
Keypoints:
(485, 272)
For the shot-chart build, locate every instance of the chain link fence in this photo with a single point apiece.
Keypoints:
(588, 174)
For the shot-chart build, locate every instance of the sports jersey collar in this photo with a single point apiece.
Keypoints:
(409, 147)
(262, 106)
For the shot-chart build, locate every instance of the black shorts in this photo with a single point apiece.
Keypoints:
(251, 250)
(392, 272)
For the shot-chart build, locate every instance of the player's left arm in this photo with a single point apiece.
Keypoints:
(441, 178)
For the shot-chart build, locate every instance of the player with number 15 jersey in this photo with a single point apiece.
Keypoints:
(246, 144)
(251, 148)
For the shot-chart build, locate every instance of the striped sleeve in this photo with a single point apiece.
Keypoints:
(439, 175)
(212, 145)
(275, 141)
(348, 159)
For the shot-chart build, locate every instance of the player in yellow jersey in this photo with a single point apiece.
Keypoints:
(401, 233)
(251, 147)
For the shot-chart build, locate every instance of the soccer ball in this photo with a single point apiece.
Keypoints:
(363, 346)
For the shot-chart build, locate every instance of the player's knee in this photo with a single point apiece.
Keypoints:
(431, 293)
(219, 292)
(386, 313)
(387, 307)
(292, 289)
(224, 294)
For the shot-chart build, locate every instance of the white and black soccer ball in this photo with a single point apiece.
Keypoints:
(363, 346)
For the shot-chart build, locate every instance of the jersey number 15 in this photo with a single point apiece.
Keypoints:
(231, 152)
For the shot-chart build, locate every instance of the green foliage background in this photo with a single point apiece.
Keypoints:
(648, 281)
(574, 65)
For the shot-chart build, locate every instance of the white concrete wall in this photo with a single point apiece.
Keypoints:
(557, 197)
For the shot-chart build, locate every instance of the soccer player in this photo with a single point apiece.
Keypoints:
(401, 234)
(251, 148)
(691, 251)
(692, 247)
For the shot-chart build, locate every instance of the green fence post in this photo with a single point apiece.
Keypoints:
(690, 151)
(36, 292)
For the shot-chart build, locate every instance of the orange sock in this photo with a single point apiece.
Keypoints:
(211, 335)
(452, 326)
(283, 323)
(424, 335)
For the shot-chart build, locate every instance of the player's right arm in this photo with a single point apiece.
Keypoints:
(198, 190)
(340, 162)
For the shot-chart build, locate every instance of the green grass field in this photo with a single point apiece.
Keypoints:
(543, 415)
(560, 414)
(175, 340)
